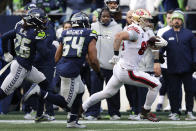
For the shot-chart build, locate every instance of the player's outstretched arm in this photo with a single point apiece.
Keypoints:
(58, 53)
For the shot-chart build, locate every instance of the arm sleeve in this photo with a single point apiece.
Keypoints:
(10, 35)
(133, 35)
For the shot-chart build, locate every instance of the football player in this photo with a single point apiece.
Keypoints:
(126, 70)
(28, 39)
(75, 44)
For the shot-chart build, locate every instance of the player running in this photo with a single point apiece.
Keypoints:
(126, 71)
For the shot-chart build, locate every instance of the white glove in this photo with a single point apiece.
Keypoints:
(7, 57)
(194, 75)
(161, 43)
(114, 59)
(55, 43)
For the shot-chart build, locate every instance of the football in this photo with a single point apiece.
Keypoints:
(152, 40)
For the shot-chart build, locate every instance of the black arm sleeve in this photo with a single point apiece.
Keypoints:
(10, 35)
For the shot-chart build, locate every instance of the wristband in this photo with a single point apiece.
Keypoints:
(116, 53)
(156, 61)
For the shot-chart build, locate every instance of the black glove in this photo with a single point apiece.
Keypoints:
(193, 67)
(100, 75)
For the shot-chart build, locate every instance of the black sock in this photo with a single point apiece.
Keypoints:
(73, 117)
(76, 104)
(55, 99)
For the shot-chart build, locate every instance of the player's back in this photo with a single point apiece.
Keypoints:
(75, 47)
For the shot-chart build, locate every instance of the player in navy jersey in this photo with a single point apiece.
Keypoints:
(75, 44)
(29, 37)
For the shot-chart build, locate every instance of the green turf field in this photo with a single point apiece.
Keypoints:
(16, 122)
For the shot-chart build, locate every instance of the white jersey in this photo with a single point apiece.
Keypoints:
(132, 52)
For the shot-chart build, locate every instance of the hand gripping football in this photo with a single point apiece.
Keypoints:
(152, 42)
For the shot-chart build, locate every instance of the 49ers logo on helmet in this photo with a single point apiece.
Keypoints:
(140, 13)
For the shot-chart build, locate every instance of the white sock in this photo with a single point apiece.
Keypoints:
(161, 99)
(150, 98)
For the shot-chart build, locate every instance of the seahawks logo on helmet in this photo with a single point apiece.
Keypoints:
(80, 19)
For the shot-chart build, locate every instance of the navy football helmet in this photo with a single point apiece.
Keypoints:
(80, 19)
(30, 6)
(37, 18)
(112, 8)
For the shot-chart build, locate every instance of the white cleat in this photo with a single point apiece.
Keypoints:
(35, 89)
(90, 118)
(135, 117)
(174, 117)
(115, 117)
(28, 116)
(190, 116)
(75, 124)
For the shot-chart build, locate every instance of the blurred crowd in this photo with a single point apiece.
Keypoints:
(120, 14)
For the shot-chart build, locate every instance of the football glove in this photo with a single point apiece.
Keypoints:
(161, 42)
(114, 59)
(7, 57)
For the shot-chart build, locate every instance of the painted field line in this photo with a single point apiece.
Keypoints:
(103, 122)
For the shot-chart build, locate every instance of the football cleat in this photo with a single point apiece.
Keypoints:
(146, 114)
(42, 118)
(75, 124)
(115, 117)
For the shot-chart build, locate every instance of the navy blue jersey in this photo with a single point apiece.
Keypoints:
(47, 60)
(26, 43)
(75, 47)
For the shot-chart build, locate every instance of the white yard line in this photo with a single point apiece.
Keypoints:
(104, 122)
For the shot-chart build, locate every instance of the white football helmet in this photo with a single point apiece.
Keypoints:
(141, 17)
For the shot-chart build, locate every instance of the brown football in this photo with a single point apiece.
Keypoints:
(152, 40)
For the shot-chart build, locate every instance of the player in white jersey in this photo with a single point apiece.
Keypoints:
(126, 71)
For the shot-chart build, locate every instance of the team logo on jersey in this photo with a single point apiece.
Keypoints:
(171, 38)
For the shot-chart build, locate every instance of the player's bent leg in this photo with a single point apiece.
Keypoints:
(111, 88)
(150, 98)
(142, 79)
